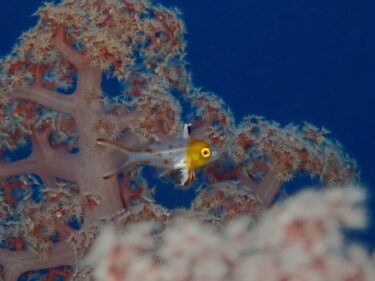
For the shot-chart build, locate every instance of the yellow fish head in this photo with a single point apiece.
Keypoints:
(199, 153)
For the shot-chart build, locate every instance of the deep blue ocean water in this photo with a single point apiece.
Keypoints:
(287, 60)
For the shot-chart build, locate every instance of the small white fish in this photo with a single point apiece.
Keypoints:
(184, 154)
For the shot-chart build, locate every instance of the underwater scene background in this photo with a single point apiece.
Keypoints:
(289, 61)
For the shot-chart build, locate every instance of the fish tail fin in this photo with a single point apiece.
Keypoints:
(116, 146)
(132, 156)
(122, 167)
(116, 171)
(112, 144)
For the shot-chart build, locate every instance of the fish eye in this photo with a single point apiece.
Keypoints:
(205, 152)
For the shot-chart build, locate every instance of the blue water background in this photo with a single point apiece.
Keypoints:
(287, 60)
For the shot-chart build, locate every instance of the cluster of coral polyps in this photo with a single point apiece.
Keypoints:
(53, 107)
(299, 239)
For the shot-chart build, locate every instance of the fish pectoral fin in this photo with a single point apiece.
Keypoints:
(187, 176)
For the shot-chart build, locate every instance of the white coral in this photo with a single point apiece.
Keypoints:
(299, 239)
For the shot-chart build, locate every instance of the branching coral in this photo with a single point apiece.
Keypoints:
(52, 99)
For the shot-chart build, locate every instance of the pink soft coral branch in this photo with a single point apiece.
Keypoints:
(16, 263)
(75, 44)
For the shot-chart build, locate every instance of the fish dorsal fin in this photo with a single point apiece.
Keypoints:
(187, 131)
